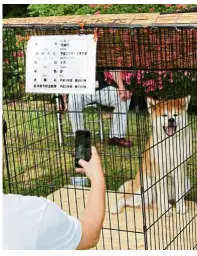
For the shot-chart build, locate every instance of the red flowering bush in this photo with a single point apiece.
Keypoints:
(13, 66)
(157, 60)
(165, 84)
(179, 6)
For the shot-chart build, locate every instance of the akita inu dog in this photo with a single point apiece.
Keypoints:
(163, 176)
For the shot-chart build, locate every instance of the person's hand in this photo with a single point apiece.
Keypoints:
(93, 168)
(124, 94)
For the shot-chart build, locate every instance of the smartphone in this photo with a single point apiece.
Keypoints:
(82, 146)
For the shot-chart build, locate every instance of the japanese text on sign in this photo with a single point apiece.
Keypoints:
(61, 64)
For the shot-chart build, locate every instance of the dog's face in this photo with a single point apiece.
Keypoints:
(170, 116)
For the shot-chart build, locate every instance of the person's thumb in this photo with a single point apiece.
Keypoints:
(83, 163)
(94, 151)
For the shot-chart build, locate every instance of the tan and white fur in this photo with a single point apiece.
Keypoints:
(163, 175)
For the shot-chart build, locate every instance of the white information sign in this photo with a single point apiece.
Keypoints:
(61, 64)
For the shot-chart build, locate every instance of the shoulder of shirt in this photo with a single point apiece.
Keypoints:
(9, 198)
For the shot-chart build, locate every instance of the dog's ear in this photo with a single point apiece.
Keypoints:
(151, 103)
(185, 101)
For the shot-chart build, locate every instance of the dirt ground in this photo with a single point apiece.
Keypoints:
(125, 230)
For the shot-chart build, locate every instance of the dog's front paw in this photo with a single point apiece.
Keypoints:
(181, 209)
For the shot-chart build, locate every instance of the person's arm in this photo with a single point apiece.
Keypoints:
(63, 232)
(94, 213)
(123, 92)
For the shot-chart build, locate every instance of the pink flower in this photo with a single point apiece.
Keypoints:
(14, 54)
(142, 74)
(181, 6)
(150, 85)
(168, 5)
(164, 73)
(20, 53)
(92, 5)
(138, 75)
(123, 75)
(128, 81)
(108, 77)
(126, 76)
(171, 80)
(96, 13)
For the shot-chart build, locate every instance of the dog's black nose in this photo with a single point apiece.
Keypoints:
(171, 122)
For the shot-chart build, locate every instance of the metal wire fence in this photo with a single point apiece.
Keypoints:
(158, 65)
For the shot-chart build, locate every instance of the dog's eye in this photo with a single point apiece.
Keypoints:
(164, 115)
(175, 115)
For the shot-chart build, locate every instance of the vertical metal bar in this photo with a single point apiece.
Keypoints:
(59, 121)
(138, 135)
(6, 155)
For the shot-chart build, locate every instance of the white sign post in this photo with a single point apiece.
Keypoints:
(61, 64)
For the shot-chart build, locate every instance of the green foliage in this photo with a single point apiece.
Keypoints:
(127, 8)
(22, 10)
(53, 9)
(13, 65)
(83, 9)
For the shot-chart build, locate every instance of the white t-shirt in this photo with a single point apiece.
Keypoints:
(35, 223)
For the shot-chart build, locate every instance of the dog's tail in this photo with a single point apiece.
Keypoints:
(125, 187)
(131, 186)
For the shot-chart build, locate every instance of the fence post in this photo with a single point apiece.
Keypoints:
(6, 154)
